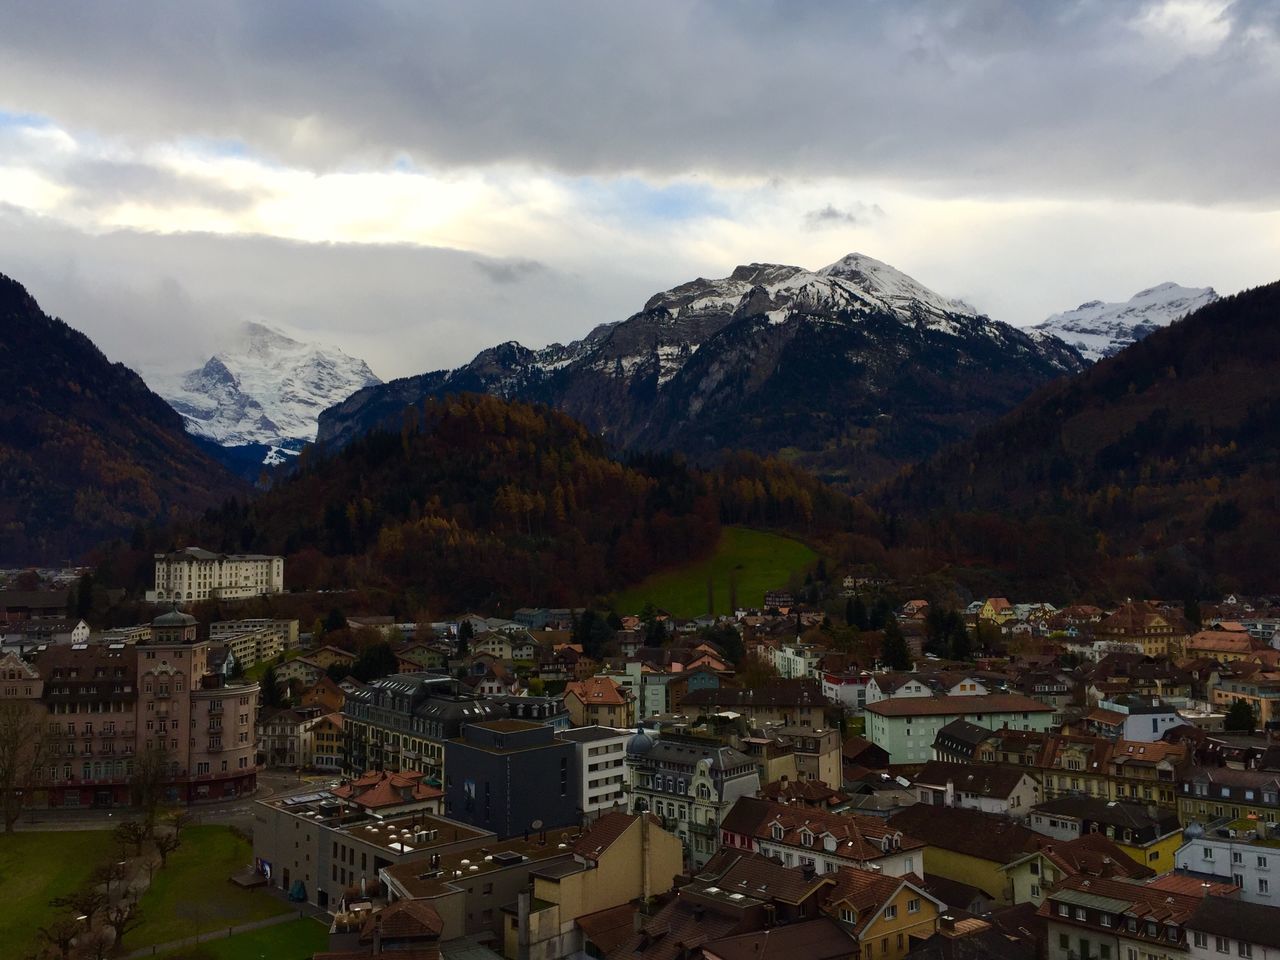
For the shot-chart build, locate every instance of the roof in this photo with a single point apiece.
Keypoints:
(980, 779)
(604, 832)
(984, 836)
(813, 939)
(776, 693)
(763, 877)
(592, 734)
(963, 733)
(1238, 919)
(857, 837)
(1093, 855)
(1131, 816)
(379, 789)
(608, 929)
(1134, 898)
(404, 918)
(946, 705)
(599, 690)
(953, 894)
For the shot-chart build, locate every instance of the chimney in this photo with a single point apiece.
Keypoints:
(947, 922)
(377, 933)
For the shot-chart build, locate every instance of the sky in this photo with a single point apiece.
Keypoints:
(414, 182)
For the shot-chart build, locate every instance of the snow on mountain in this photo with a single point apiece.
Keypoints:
(1100, 329)
(266, 389)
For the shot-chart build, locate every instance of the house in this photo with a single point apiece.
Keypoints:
(1223, 645)
(1091, 855)
(599, 701)
(325, 694)
(406, 928)
(798, 702)
(996, 610)
(383, 794)
(823, 840)
(1147, 772)
(1149, 835)
(1155, 632)
(968, 846)
(1223, 926)
(621, 858)
(884, 914)
(907, 727)
(1002, 790)
(1117, 918)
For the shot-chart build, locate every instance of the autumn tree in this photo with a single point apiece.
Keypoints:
(24, 750)
(165, 844)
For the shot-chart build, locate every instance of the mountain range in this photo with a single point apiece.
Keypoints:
(87, 451)
(1099, 330)
(262, 395)
(851, 370)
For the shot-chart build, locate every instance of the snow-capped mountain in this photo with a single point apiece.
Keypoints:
(266, 389)
(1100, 329)
(852, 370)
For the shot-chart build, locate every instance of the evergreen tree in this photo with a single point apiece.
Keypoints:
(859, 618)
(894, 653)
(84, 597)
(1240, 717)
(271, 689)
(1191, 611)
(466, 633)
(335, 620)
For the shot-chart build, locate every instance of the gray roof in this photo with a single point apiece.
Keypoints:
(1238, 919)
(591, 734)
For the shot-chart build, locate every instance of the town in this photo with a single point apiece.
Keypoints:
(860, 776)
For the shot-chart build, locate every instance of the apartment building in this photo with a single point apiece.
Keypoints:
(1242, 852)
(600, 765)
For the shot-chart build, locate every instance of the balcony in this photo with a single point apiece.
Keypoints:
(706, 829)
(215, 708)
(215, 747)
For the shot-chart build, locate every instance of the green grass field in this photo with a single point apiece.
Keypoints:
(35, 868)
(193, 893)
(761, 561)
(295, 940)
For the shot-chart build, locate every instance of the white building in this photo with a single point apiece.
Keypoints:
(795, 661)
(195, 574)
(1227, 927)
(1243, 852)
(601, 756)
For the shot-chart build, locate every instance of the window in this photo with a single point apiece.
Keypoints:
(1221, 944)
(913, 905)
(1104, 951)
(891, 912)
(1200, 939)
(1064, 941)
(1244, 949)
(848, 915)
(1264, 886)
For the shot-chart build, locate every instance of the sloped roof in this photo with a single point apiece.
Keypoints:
(857, 837)
(941, 706)
(605, 831)
(404, 918)
(985, 836)
(980, 779)
(820, 939)
(599, 691)
(1238, 919)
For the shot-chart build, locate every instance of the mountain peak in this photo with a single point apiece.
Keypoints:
(1098, 329)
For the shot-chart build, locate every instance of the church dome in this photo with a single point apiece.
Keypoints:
(1193, 831)
(174, 618)
(640, 744)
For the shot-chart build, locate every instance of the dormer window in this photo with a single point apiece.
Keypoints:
(848, 915)
(806, 837)
(777, 831)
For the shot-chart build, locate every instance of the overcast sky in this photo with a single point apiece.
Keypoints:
(415, 181)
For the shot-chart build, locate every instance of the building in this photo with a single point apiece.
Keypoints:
(1245, 853)
(907, 727)
(817, 752)
(511, 777)
(600, 769)
(794, 661)
(1116, 919)
(786, 702)
(1148, 834)
(885, 915)
(600, 701)
(110, 705)
(1214, 793)
(1147, 772)
(194, 574)
(968, 846)
(1004, 790)
(406, 719)
(821, 840)
(1091, 855)
(1225, 926)
(256, 641)
(1142, 625)
(622, 858)
(690, 782)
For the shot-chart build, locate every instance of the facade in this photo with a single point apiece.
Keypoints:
(690, 783)
(1212, 793)
(1004, 790)
(1155, 632)
(816, 751)
(195, 574)
(906, 727)
(600, 769)
(788, 702)
(1116, 920)
(1224, 926)
(884, 914)
(1149, 835)
(1245, 853)
(600, 701)
(511, 777)
(256, 641)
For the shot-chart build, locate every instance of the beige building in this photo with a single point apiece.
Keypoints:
(255, 641)
(599, 701)
(195, 574)
(622, 858)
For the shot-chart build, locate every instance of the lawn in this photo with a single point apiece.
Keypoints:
(259, 669)
(36, 867)
(295, 940)
(193, 893)
(761, 561)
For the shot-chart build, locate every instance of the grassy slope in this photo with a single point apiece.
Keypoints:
(762, 561)
(35, 868)
(295, 940)
(193, 893)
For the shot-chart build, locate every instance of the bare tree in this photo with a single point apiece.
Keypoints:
(85, 902)
(107, 874)
(131, 833)
(60, 933)
(146, 788)
(24, 753)
(165, 844)
(124, 917)
(180, 821)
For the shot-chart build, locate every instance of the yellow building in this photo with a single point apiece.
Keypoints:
(623, 857)
(882, 913)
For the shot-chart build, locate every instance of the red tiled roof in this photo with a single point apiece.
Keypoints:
(599, 690)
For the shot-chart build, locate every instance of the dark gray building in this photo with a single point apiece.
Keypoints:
(511, 777)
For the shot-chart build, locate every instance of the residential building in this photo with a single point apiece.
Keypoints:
(1116, 919)
(968, 846)
(1091, 855)
(283, 632)
(1225, 926)
(794, 661)
(1148, 834)
(194, 574)
(690, 782)
(822, 840)
(622, 858)
(1004, 790)
(1212, 793)
(884, 914)
(1242, 852)
(511, 777)
(907, 727)
(788, 702)
(1157, 633)
(1137, 719)
(1147, 772)
(600, 769)
(600, 701)
(848, 688)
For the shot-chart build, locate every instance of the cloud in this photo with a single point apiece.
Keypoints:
(509, 271)
(99, 183)
(833, 216)
(995, 97)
